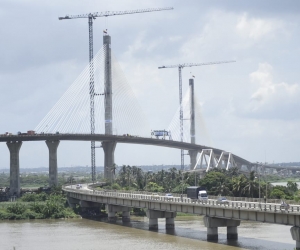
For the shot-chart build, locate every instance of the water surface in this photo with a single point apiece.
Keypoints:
(189, 233)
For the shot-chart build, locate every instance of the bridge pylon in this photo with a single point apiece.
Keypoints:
(109, 159)
(14, 149)
(52, 146)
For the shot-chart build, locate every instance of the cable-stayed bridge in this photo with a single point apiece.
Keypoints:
(117, 118)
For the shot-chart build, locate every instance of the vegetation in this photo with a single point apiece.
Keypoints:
(37, 206)
(216, 181)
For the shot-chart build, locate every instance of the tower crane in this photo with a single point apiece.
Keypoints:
(180, 67)
(91, 17)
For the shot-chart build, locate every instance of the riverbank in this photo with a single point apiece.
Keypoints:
(37, 206)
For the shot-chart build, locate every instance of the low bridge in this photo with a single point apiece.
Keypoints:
(215, 215)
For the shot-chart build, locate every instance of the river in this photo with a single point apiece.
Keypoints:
(189, 234)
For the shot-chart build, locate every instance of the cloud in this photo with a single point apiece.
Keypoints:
(257, 28)
(273, 100)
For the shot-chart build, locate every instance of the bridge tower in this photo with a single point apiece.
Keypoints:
(192, 153)
(108, 146)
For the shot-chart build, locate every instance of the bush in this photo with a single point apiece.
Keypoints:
(16, 208)
(28, 214)
(37, 208)
(34, 197)
(116, 186)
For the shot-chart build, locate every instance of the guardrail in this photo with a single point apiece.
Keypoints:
(267, 207)
(261, 200)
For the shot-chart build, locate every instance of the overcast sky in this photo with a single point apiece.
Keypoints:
(250, 107)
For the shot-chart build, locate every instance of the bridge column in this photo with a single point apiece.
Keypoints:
(112, 209)
(109, 159)
(14, 149)
(52, 146)
(213, 223)
(295, 232)
(72, 202)
(193, 158)
(153, 216)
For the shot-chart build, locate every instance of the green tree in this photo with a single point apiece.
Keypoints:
(153, 187)
(213, 181)
(252, 185)
(292, 187)
(238, 185)
(277, 194)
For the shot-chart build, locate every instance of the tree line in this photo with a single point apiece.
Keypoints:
(216, 182)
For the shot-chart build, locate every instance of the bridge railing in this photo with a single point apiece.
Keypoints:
(261, 200)
(243, 205)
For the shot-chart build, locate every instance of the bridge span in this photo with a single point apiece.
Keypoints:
(215, 215)
(14, 142)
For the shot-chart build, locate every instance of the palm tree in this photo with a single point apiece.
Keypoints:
(238, 184)
(251, 186)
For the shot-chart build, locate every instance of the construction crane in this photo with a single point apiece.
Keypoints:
(91, 17)
(180, 67)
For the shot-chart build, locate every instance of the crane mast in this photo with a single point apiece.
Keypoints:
(90, 17)
(180, 67)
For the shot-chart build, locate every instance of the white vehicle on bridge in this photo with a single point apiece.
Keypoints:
(222, 201)
(202, 195)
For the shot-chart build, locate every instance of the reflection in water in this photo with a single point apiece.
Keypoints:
(189, 233)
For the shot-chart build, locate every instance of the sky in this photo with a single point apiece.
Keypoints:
(250, 107)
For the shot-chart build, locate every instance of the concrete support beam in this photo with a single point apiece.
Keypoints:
(295, 232)
(89, 204)
(125, 216)
(112, 209)
(213, 223)
(72, 202)
(14, 149)
(232, 233)
(193, 158)
(212, 233)
(109, 159)
(52, 146)
(153, 215)
(153, 223)
(170, 223)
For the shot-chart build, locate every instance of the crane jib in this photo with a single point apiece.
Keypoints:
(113, 13)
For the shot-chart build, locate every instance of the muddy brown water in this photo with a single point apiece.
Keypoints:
(86, 234)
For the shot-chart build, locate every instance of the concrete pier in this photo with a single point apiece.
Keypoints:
(52, 146)
(213, 223)
(14, 149)
(193, 158)
(170, 223)
(112, 209)
(153, 223)
(212, 233)
(232, 233)
(109, 159)
(153, 216)
(72, 202)
(125, 216)
(295, 232)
